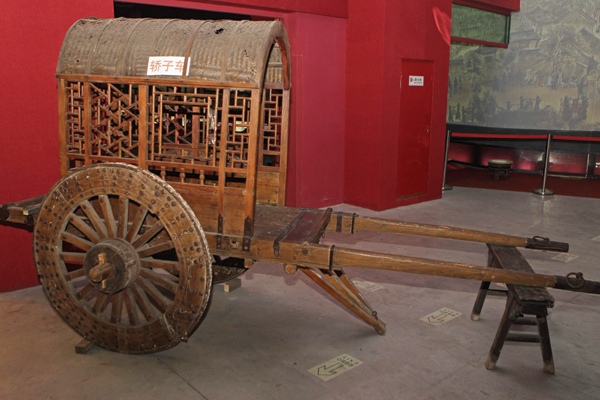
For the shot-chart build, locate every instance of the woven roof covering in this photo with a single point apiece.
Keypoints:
(219, 52)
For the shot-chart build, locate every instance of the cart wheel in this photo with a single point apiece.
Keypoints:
(122, 258)
(227, 269)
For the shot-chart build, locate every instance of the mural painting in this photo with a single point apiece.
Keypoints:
(548, 78)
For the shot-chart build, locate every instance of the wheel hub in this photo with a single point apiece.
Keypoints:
(112, 265)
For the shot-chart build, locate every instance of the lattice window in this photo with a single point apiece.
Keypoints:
(270, 150)
(185, 134)
(74, 119)
(186, 129)
(239, 129)
(184, 125)
(114, 121)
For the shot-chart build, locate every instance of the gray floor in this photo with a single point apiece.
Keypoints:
(259, 341)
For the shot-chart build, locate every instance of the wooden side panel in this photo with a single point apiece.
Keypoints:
(285, 126)
(252, 166)
(273, 143)
(234, 213)
(267, 188)
(205, 203)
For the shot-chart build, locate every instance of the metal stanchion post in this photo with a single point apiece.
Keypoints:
(448, 136)
(543, 191)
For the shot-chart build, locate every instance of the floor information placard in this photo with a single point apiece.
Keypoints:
(335, 366)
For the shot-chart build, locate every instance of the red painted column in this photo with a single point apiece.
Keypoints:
(365, 48)
(316, 165)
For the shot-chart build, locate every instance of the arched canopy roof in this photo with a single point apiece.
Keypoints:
(248, 53)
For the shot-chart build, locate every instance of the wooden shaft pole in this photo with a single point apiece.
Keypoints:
(364, 259)
(383, 225)
(446, 232)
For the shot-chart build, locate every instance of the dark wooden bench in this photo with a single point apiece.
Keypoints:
(524, 306)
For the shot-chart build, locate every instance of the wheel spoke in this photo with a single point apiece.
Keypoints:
(168, 265)
(99, 302)
(146, 236)
(159, 280)
(78, 273)
(106, 302)
(148, 251)
(84, 228)
(83, 244)
(123, 216)
(109, 217)
(72, 257)
(131, 311)
(94, 218)
(84, 292)
(116, 308)
(137, 223)
(160, 301)
(142, 301)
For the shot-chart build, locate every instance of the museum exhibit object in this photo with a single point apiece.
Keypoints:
(173, 156)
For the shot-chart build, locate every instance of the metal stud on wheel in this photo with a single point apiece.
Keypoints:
(122, 258)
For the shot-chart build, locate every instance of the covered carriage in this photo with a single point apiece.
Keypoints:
(173, 156)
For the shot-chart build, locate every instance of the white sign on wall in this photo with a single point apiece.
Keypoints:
(416, 80)
(163, 65)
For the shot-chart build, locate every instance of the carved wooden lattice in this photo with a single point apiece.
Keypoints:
(184, 125)
(187, 128)
(270, 141)
(188, 137)
(74, 119)
(114, 121)
(239, 130)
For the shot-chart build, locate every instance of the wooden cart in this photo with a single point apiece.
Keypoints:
(173, 154)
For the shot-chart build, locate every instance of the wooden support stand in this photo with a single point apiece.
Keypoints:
(232, 285)
(83, 347)
(521, 301)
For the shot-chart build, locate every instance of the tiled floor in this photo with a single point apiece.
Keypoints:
(258, 341)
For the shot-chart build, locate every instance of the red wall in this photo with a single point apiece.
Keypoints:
(32, 34)
(365, 48)
(380, 33)
(316, 151)
(332, 8)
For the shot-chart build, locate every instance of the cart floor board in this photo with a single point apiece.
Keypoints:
(271, 221)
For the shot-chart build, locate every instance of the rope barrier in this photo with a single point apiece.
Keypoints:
(548, 137)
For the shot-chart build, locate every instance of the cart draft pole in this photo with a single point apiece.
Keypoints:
(362, 259)
(352, 223)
